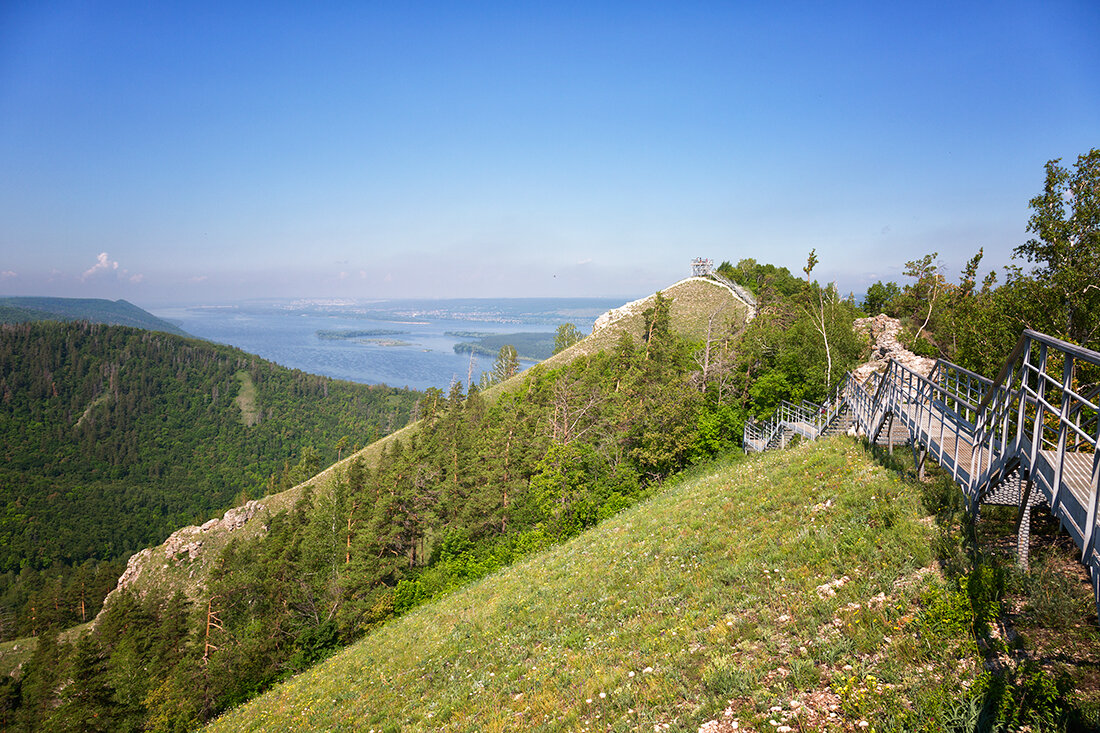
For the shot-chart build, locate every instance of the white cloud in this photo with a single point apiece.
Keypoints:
(8, 275)
(137, 278)
(199, 278)
(103, 264)
(585, 261)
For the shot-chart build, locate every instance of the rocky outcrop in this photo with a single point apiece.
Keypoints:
(188, 541)
(883, 332)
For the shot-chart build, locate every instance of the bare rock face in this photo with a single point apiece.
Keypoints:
(883, 332)
(133, 567)
(188, 540)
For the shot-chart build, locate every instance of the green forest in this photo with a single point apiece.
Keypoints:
(485, 477)
(113, 437)
(93, 310)
(528, 346)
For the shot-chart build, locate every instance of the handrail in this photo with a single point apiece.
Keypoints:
(1017, 351)
(1032, 421)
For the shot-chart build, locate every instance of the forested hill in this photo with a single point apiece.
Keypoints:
(112, 437)
(220, 612)
(93, 310)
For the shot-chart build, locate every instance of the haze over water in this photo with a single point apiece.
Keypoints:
(417, 351)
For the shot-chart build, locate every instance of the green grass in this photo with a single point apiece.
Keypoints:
(709, 601)
(13, 654)
(246, 399)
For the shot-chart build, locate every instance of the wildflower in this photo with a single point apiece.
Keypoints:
(603, 695)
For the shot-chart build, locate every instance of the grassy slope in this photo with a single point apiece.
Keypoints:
(701, 600)
(693, 302)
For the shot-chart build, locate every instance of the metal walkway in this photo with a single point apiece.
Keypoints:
(1026, 438)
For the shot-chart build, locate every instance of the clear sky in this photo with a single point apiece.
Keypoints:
(199, 151)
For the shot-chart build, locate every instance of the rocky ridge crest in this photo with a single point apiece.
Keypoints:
(883, 332)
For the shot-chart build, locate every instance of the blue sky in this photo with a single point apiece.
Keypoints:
(197, 151)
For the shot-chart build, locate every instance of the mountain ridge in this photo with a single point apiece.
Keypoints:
(23, 309)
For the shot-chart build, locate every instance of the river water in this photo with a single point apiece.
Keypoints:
(408, 343)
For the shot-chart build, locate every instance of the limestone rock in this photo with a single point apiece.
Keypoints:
(883, 332)
(187, 540)
(613, 315)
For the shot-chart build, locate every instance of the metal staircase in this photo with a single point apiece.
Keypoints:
(1026, 438)
(807, 420)
(1023, 439)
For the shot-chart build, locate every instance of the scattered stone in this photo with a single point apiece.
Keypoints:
(883, 332)
(828, 590)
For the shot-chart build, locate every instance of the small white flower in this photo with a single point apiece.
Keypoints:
(603, 695)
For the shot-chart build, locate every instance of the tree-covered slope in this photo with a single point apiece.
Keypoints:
(688, 307)
(481, 479)
(93, 310)
(111, 437)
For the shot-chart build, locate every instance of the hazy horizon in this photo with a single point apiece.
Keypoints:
(203, 151)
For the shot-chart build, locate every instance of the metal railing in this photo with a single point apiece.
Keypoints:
(1042, 415)
(1039, 420)
(808, 420)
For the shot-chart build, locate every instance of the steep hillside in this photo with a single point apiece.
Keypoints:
(747, 593)
(796, 590)
(92, 310)
(482, 479)
(111, 437)
(696, 304)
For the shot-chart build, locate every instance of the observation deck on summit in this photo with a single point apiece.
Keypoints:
(701, 267)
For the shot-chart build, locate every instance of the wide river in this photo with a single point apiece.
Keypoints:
(403, 343)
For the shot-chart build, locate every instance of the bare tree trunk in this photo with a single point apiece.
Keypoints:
(819, 322)
(931, 302)
(212, 622)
